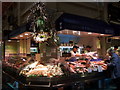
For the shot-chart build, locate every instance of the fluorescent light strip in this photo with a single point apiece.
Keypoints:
(101, 34)
(67, 31)
(26, 33)
(79, 33)
(74, 32)
(89, 33)
(21, 35)
(9, 40)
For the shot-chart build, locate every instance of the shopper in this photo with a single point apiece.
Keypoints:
(118, 52)
(115, 48)
(114, 66)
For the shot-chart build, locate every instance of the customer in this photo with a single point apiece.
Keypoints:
(115, 48)
(114, 66)
(118, 53)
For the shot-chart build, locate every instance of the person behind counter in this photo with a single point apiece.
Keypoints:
(91, 54)
(74, 53)
(87, 49)
(114, 66)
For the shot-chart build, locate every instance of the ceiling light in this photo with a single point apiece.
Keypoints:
(115, 37)
(9, 40)
(101, 34)
(74, 32)
(21, 35)
(67, 31)
(60, 32)
(89, 33)
(79, 33)
(26, 33)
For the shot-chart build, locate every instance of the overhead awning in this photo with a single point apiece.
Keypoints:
(22, 29)
(80, 23)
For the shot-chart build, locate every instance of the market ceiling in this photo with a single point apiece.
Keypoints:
(6, 6)
(114, 13)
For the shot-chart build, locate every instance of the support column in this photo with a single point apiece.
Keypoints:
(21, 46)
(103, 46)
(94, 44)
(18, 8)
(25, 46)
(1, 46)
(105, 4)
(28, 45)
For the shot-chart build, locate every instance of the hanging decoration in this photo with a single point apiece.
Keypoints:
(41, 25)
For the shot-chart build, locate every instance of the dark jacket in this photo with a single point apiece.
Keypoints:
(115, 66)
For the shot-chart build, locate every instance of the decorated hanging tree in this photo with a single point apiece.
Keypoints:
(41, 25)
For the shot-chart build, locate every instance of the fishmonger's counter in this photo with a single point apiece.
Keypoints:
(52, 74)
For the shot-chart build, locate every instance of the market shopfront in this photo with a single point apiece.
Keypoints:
(92, 32)
(31, 64)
